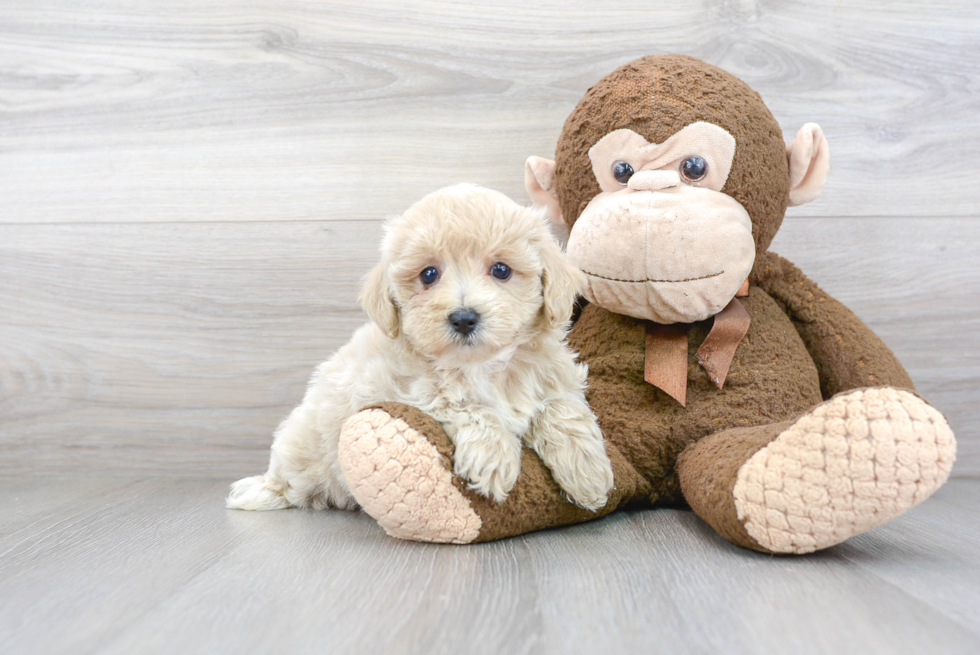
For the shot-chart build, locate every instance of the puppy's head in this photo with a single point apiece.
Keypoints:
(467, 273)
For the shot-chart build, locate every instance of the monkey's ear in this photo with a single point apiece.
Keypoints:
(560, 284)
(539, 180)
(809, 161)
(378, 303)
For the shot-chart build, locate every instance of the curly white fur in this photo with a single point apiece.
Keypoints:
(513, 379)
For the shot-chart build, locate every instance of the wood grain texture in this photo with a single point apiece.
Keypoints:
(175, 349)
(140, 111)
(159, 566)
(167, 346)
(190, 193)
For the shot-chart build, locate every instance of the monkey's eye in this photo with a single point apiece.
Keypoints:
(429, 275)
(501, 271)
(694, 168)
(622, 172)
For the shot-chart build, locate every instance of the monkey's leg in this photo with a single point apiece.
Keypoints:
(397, 461)
(852, 463)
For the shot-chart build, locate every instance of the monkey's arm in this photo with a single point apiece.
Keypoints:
(847, 353)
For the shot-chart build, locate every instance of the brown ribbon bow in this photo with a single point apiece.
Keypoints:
(665, 365)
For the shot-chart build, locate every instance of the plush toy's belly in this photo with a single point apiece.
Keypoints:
(772, 378)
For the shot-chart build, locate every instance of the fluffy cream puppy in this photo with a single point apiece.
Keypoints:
(469, 307)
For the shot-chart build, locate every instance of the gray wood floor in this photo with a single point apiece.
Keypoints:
(105, 565)
(190, 193)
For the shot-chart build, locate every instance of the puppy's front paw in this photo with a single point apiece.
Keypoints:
(591, 486)
(584, 472)
(489, 460)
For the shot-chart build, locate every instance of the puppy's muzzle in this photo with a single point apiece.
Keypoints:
(464, 321)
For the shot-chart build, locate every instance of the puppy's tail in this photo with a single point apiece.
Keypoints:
(257, 493)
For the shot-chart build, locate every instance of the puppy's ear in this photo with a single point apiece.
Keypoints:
(561, 283)
(378, 303)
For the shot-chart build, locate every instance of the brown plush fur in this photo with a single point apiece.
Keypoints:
(772, 378)
(708, 470)
(802, 346)
(847, 353)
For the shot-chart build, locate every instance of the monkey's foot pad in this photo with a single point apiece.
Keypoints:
(856, 461)
(399, 478)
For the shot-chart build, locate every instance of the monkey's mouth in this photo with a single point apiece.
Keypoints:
(616, 279)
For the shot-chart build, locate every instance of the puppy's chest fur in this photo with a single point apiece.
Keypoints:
(479, 386)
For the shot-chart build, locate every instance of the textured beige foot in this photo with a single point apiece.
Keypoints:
(398, 477)
(855, 462)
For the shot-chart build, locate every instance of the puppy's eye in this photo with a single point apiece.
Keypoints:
(429, 275)
(694, 168)
(500, 270)
(622, 172)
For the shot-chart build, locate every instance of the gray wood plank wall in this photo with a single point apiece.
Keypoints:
(190, 192)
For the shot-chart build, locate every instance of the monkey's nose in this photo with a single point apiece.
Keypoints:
(464, 320)
(653, 180)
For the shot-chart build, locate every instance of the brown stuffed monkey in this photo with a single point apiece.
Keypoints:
(721, 376)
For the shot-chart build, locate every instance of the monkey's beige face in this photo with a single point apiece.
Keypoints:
(661, 242)
(468, 273)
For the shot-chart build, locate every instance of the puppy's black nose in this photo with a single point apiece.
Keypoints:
(464, 320)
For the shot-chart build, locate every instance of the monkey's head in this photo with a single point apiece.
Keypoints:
(670, 175)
